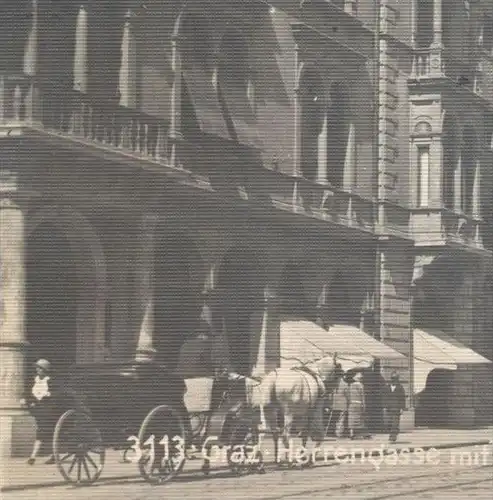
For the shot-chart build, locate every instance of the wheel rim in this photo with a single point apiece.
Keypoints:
(161, 440)
(78, 448)
(243, 454)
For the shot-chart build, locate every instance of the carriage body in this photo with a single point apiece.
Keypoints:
(119, 395)
(105, 405)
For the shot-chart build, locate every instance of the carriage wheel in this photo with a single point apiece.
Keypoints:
(244, 455)
(78, 448)
(162, 442)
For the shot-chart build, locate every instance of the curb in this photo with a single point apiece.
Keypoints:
(329, 461)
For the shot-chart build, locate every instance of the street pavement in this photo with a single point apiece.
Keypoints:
(445, 469)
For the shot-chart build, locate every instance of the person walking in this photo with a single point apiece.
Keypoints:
(340, 406)
(356, 407)
(42, 404)
(395, 403)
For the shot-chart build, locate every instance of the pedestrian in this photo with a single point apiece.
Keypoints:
(42, 403)
(356, 407)
(395, 403)
(340, 406)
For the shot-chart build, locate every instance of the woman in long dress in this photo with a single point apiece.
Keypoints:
(356, 406)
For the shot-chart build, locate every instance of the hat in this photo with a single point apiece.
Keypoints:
(43, 364)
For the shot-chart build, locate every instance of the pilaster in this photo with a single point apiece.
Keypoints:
(13, 341)
(80, 66)
(145, 350)
(265, 330)
(127, 81)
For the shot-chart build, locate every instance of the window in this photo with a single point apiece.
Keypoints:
(424, 21)
(423, 175)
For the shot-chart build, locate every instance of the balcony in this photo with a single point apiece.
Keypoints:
(438, 63)
(28, 107)
(71, 119)
(438, 227)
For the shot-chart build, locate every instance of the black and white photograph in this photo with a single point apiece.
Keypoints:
(246, 249)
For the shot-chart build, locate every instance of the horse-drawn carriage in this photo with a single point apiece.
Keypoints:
(141, 407)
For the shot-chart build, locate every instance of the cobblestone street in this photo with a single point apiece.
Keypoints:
(463, 472)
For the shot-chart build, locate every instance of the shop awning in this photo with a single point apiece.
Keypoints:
(303, 341)
(435, 349)
(358, 341)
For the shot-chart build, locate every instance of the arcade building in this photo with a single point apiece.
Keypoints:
(261, 158)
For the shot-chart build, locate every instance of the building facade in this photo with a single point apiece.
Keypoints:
(330, 159)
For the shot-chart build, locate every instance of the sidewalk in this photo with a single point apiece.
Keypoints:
(17, 475)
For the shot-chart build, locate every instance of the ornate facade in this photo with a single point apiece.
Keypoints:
(307, 157)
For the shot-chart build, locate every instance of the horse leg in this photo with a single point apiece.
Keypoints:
(286, 433)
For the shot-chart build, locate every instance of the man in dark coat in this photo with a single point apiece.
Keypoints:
(395, 403)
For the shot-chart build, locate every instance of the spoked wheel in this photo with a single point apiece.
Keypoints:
(78, 448)
(244, 454)
(162, 442)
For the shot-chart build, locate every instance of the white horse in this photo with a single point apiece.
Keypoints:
(299, 393)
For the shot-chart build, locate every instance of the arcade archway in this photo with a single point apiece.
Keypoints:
(51, 297)
(241, 288)
(65, 287)
(177, 291)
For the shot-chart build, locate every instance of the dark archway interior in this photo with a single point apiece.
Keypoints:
(432, 402)
(177, 299)
(51, 298)
(292, 296)
(241, 296)
(342, 308)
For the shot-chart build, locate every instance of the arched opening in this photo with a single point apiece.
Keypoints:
(432, 403)
(312, 122)
(292, 296)
(52, 290)
(343, 308)
(177, 292)
(337, 134)
(241, 288)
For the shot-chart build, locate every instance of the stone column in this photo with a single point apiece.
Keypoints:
(437, 23)
(476, 192)
(265, 330)
(175, 133)
(32, 42)
(81, 51)
(458, 184)
(30, 65)
(13, 340)
(145, 289)
(211, 314)
(297, 117)
(127, 82)
(349, 180)
(322, 153)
